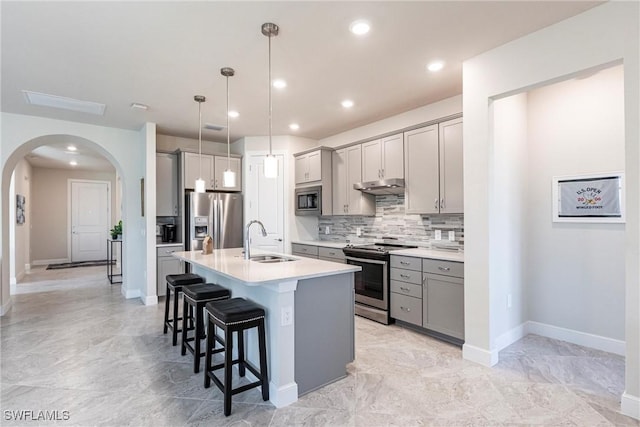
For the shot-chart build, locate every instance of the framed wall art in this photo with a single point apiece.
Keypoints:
(589, 198)
(20, 209)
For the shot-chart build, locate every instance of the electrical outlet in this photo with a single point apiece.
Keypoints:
(327, 230)
(452, 236)
(358, 231)
(438, 235)
(286, 315)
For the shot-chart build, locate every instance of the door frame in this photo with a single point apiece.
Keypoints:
(110, 201)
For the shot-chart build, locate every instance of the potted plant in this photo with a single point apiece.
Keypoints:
(116, 231)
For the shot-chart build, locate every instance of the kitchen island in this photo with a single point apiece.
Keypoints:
(309, 307)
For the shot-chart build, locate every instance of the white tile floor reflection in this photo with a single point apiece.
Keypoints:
(73, 343)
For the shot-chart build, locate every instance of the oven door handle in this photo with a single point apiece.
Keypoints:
(368, 261)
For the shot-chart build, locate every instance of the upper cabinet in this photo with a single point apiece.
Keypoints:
(210, 169)
(221, 164)
(347, 170)
(309, 167)
(166, 184)
(313, 167)
(383, 158)
(433, 161)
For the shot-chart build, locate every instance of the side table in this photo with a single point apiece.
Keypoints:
(111, 259)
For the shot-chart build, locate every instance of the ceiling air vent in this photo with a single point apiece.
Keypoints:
(212, 126)
(54, 101)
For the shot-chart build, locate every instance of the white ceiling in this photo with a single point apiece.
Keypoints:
(163, 53)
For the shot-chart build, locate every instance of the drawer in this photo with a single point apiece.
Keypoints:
(406, 289)
(447, 268)
(324, 258)
(299, 249)
(330, 253)
(406, 262)
(407, 309)
(409, 276)
(165, 251)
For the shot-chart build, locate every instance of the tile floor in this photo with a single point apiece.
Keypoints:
(73, 343)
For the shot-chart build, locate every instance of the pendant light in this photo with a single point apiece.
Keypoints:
(229, 176)
(199, 182)
(270, 161)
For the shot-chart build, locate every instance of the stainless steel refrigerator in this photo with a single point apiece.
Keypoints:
(216, 214)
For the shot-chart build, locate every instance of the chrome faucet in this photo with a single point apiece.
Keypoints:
(247, 254)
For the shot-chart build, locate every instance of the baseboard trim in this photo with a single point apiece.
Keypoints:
(511, 336)
(49, 261)
(149, 300)
(130, 293)
(597, 342)
(479, 355)
(284, 395)
(4, 309)
(13, 287)
(630, 406)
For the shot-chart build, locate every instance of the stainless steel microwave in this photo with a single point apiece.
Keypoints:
(309, 200)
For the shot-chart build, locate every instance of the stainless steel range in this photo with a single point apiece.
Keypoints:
(372, 283)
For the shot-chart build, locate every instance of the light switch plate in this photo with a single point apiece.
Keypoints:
(327, 230)
(358, 231)
(286, 316)
(452, 236)
(438, 235)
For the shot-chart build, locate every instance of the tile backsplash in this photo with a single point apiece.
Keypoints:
(391, 221)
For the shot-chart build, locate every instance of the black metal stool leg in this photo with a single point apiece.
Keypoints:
(175, 317)
(208, 353)
(241, 361)
(197, 336)
(185, 329)
(166, 308)
(228, 364)
(263, 361)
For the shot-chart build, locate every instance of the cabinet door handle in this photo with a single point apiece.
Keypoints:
(405, 263)
(405, 276)
(379, 173)
(382, 173)
(435, 203)
(444, 268)
(404, 289)
(332, 253)
(407, 309)
(442, 203)
(278, 240)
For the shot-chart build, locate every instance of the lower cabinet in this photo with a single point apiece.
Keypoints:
(331, 254)
(167, 264)
(308, 251)
(423, 298)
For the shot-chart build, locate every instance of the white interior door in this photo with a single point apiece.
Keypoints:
(90, 214)
(265, 202)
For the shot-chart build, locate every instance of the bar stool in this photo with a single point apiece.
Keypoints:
(195, 297)
(235, 315)
(175, 283)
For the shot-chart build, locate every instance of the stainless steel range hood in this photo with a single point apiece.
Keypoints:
(382, 186)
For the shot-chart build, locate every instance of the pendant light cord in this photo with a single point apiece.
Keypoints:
(228, 130)
(270, 105)
(200, 139)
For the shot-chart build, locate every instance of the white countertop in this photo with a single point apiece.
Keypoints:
(230, 263)
(160, 245)
(432, 254)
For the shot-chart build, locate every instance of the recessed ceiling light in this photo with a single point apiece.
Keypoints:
(279, 84)
(359, 27)
(234, 114)
(347, 103)
(294, 126)
(137, 105)
(435, 66)
(45, 100)
(73, 163)
(71, 148)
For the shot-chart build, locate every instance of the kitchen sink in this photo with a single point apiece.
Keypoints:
(271, 258)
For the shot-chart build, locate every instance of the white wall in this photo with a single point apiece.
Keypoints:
(578, 281)
(125, 149)
(510, 180)
(594, 39)
(22, 184)
(167, 143)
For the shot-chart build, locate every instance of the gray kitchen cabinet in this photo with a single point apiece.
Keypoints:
(331, 254)
(443, 304)
(309, 167)
(428, 293)
(308, 251)
(166, 184)
(347, 170)
(383, 158)
(221, 164)
(433, 168)
(167, 264)
(192, 165)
